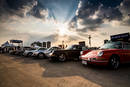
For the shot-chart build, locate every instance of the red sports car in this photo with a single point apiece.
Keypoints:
(111, 53)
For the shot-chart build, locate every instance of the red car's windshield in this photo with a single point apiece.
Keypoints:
(112, 45)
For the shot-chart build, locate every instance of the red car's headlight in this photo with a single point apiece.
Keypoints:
(100, 53)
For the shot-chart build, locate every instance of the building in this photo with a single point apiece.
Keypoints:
(82, 43)
(44, 44)
(48, 44)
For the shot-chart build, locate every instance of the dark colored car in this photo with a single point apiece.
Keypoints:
(72, 52)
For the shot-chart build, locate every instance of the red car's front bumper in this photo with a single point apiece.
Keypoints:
(95, 61)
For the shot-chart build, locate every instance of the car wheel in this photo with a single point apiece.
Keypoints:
(114, 62)
(62, 57)
(41, 55)
(30, 54)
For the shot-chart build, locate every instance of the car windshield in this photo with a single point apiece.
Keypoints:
(112, 45)
(53, 48)
(73, 47)
(69, 47)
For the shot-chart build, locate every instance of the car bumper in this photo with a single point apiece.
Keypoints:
(94, 62)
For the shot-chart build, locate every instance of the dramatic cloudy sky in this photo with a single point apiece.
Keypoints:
(68, 20)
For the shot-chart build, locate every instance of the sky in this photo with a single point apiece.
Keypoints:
(70, 21)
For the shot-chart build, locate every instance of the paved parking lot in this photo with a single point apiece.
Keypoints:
(18, 71)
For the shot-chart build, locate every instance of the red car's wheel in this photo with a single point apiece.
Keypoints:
(114, 62)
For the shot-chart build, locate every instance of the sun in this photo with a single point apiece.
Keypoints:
(63, 29)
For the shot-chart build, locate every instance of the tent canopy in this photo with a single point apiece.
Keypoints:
(16, 41)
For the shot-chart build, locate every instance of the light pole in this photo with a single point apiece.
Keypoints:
(89, 37)
(63, 44)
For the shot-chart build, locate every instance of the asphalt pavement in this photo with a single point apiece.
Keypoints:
(17, 71)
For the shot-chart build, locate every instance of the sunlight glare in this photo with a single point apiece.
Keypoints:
(63, 29)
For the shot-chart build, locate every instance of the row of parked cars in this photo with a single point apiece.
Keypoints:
(111, 54)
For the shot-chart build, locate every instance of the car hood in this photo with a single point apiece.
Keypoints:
(94, 53)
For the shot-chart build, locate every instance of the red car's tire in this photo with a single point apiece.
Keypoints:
(114, 62)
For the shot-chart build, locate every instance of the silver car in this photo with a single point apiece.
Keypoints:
(45, 53)
(29, 52)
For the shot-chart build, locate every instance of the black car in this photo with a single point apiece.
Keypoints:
(71, 52)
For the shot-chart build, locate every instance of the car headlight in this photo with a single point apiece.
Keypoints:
(52, 53)
(100, 53)
(81, 52)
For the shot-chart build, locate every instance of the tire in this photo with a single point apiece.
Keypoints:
(29, 54)
(114, 62)
(62, 57)
(41, 55)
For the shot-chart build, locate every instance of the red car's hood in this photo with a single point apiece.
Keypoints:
(94, 53)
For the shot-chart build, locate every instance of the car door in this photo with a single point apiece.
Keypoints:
(127, 51)
(76, 51)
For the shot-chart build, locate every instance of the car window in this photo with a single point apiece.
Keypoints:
(77, 47)
(112, 45)
(56, 48)
(52, 48)
(127, 46)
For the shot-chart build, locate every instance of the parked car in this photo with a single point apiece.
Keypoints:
(111, 53)
(39, 53)
(45, 53)
(71, 52)
(22, 50)
(13, 50)
(29, 52)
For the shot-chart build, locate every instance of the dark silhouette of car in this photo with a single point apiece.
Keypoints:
(71, 52)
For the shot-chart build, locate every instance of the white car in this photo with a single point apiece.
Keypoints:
(31, 51)
(45, 53)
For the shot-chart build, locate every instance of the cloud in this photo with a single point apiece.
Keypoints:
(125, 9)
(36, 20)
(22, 8)
(92, 13)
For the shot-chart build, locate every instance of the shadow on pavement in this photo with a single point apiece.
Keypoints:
(97, 74)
